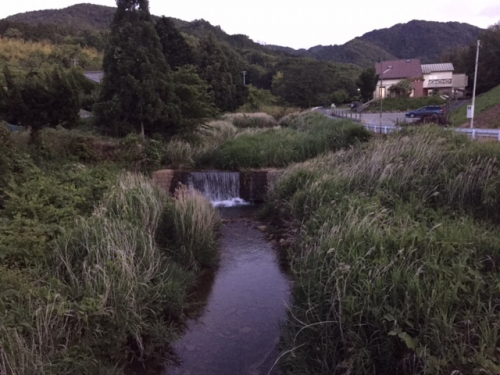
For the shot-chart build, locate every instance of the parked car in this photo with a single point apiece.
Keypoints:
(428, 110)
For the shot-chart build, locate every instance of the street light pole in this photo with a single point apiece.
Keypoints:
(475, 82)
(244, 74)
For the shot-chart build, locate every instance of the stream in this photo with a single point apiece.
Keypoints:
(238, 330)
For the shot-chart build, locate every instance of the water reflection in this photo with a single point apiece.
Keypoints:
(239, 329)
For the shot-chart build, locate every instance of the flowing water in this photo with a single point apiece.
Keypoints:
(221, 188)
(238, 330)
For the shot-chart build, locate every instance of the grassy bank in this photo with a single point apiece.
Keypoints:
(96, 265)
(305, 137)
(396, 264)
(483, 103)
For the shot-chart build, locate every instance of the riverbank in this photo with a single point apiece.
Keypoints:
(396, 261)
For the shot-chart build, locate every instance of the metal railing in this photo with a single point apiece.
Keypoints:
(474, 133)
(346, 113)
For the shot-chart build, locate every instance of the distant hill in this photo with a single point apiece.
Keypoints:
(416, 39)
(426, 40)
(80, 16)
(98, 17)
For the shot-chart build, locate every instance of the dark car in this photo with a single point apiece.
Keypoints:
(428, 110)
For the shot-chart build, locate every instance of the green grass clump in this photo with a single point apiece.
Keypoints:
(405, 104)
(108, 290)
(307, 136)
(483, 103)
(396, 267)
(251, 120)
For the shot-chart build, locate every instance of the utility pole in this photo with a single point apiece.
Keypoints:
(74, 61)
(380, 91)
(475, 82)
(244, 74)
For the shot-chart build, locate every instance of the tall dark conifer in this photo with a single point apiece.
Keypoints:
(175, 48)
(222, 70)
(137, 93)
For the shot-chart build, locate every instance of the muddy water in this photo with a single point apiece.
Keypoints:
(239, 328)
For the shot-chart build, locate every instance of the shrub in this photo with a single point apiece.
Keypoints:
(396, 262)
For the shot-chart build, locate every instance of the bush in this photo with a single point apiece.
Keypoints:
(397, 259)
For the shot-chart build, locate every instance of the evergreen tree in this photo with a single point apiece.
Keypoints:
(222, 69)
(177, 52)
(367, 82)
(137, 93)
(195, 102)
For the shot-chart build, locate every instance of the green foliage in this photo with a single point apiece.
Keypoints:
(175, 48)
(367, 82)
(484, 102)
(137, 93)
(390, 262)
(105, 291)
(256, 99)
(6, 161)
(220, 67)
(340, 96)
(39, 205)
(40, 100)
(194, 101)
(402, 89)
(464, 59)
(307, 83)
(307, 137)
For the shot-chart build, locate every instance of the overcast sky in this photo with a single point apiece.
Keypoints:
(300, 24)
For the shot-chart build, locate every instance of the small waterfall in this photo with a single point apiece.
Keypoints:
(221, 188)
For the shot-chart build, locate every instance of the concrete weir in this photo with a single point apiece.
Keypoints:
(252, 184)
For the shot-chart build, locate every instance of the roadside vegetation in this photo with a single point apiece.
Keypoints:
(484, 103)
(396, 262)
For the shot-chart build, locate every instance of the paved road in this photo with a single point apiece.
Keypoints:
(387, 118)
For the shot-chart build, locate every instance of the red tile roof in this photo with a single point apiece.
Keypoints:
(399, 69)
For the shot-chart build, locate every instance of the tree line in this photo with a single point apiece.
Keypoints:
(464, 59)
(159, 81)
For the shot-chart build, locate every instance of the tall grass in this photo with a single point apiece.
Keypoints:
(396, 268)
(308, 136)
(114, 292)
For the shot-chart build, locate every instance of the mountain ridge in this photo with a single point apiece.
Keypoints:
(426, 40)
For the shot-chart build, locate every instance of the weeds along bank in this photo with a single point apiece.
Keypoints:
(95, 267)
(307, 136)
(397, 261)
